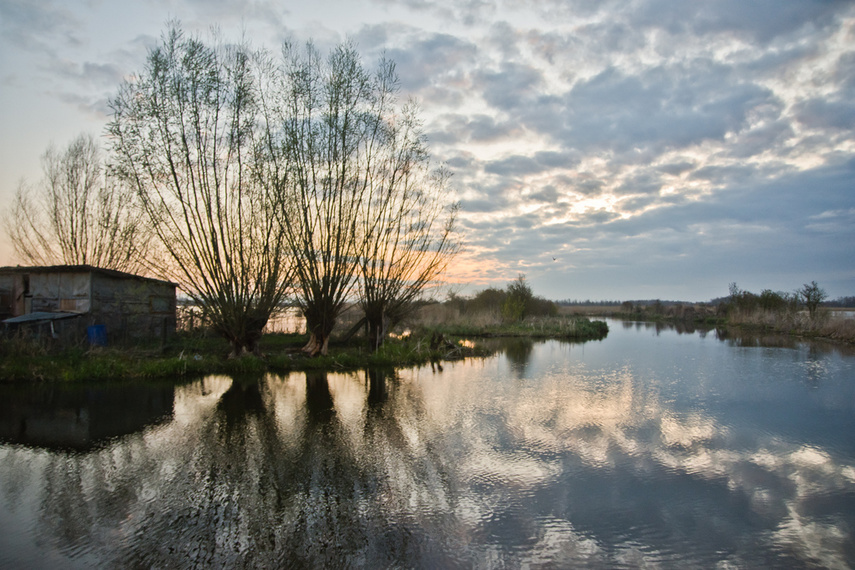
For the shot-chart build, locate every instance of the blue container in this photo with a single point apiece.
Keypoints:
(97, 335)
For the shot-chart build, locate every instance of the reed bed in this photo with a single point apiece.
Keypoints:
(825, 324)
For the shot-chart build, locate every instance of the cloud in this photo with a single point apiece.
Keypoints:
(824, 114)
(618, 132)
(105, 75)
(676, 168)
(641, 137)
(466, 12)
(662, 108)
(425, 59)
(516, 165)
(760, 21)
(765, 137)
(549, 195)
(98, 107)
(458, 128)
(777, 228)
(510, 86)
(37, 26)
(832, 221)
(237, 12)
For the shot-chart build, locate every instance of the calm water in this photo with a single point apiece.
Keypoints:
(650, 448)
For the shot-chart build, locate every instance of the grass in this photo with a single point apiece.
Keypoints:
(194, 354)
(191, 355)
(575, 328)
(825, 324)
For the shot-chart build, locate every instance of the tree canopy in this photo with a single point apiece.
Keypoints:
(365, 210)
(185, 134)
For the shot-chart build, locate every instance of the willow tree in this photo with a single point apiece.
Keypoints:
(186, 136)
(407, 226)
(78, 214)
(330, 121)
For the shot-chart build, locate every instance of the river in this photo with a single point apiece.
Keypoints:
(651, 448)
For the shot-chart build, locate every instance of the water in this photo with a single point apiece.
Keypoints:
(650, 448)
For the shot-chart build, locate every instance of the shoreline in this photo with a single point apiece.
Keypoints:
(192, 354)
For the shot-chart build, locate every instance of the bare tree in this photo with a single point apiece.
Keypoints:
(78, 215)
(331, 117)
(812, 295)
(186, 136)
(407, 226)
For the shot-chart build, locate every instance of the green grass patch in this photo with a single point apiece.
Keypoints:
(569, 328)
(193, 355)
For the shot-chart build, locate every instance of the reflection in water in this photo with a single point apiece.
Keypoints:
(680, 327)
(79, 417)
(649, 451)
(518, 351)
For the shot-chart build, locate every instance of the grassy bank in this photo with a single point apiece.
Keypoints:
(699, 313)
(794, 320)
(825, 324)
(192, 355)
(188, 355)
(575, 328)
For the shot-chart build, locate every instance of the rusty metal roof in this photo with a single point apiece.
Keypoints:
(39, 316)
(79, 269)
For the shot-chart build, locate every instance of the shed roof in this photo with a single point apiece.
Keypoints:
(39, 316)
(80, 269)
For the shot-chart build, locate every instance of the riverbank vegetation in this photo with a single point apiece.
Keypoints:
(512, 311)
(190, 354)
(805, 312)
(798, 313)
(431, 333)
(202, 351)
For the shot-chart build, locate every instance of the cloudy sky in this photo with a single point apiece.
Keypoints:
(608, 150)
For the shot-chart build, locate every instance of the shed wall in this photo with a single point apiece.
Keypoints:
(8, 289)
(133, 308)
(52, 292)
(129, 307)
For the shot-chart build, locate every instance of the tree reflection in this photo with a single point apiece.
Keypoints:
(255, 492)
(377, 390)
(242, 400)
(319, 402)
(518, 352)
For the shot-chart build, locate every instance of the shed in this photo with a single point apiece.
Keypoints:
(126, 306)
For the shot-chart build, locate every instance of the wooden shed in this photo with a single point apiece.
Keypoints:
(74, 299)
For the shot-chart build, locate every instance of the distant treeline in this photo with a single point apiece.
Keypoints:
(839, 303)
(615, 303)
(777, 299)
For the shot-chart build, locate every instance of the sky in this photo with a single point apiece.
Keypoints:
(606, 149)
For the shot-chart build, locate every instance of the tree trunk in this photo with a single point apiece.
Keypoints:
(377, 326)
(246, 343)
(377, 332)
(318, 344)
(319, 336)
(320, 322)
